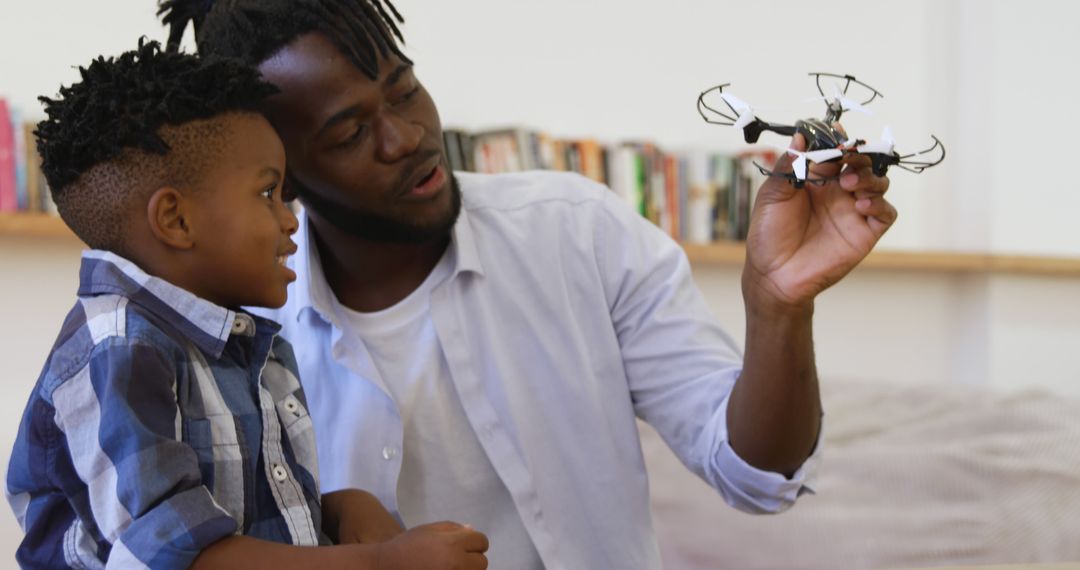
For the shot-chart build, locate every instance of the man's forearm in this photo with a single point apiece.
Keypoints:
(774, 415)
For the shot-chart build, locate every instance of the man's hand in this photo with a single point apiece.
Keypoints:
(352, 516)
(436, 546)
(803, 240)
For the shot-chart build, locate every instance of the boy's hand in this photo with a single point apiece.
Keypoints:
(352, 516)
(436, 546)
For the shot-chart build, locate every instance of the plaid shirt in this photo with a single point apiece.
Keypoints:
(160, 424)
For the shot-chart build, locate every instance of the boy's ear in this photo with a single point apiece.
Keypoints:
(167, 214)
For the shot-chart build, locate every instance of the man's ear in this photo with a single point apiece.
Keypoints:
(167, 214)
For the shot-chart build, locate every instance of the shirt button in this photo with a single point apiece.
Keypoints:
(389, 452)
(241, 325)
(280, 474)
(292, 405)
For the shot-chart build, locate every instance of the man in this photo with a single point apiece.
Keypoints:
(476, 348)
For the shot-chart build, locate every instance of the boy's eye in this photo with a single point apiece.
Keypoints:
(269, 192)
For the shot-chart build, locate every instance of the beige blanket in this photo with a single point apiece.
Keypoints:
(912, 477)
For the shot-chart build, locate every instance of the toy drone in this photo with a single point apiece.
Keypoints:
(826, 140)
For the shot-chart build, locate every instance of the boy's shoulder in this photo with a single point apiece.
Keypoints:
(101, 323)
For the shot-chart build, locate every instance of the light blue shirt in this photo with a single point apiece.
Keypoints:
(566, 316)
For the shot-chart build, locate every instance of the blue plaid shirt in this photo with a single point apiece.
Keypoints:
(160, 424)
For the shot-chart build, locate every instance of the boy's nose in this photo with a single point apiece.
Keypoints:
(289, 222)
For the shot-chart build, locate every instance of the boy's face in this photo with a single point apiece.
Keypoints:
(240, 227)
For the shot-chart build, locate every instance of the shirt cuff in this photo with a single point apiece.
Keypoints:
(757, 491)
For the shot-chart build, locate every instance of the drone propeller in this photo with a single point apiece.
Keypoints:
(885, 146)
(845, 103)
(801, 164)
(744, 110)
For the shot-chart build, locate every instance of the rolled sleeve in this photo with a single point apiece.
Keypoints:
(753, 490)
(119, 417)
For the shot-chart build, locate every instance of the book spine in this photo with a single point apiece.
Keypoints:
(22, 196)
(9, 200)
(34, 175)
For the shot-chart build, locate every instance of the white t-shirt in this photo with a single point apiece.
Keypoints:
(445, 474)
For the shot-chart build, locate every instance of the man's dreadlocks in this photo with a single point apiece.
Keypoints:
(254, 30)
(135, 123)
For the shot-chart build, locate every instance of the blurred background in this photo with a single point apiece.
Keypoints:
(995, 80)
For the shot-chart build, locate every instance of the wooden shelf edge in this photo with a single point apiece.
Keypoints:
(34, 225)
(732, 254)
(717, 254)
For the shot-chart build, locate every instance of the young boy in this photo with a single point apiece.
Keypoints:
(167, 421)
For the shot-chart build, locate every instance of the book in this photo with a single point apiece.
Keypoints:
(503, 150)
(9, 200)
(35, 179)
(22, 200)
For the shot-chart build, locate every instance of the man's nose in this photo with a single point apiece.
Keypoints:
(395, 136)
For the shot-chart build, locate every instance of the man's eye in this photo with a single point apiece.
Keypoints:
(352, 138)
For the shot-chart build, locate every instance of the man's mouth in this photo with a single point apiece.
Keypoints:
(427, 184)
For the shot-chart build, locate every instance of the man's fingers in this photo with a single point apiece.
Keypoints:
(474, 561)
(445, 526)
(472, 541)
(879, 212)
(863, 183)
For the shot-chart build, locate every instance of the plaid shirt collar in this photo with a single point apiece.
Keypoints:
(207, 325)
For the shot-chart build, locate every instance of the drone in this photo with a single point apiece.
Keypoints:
(826, 140)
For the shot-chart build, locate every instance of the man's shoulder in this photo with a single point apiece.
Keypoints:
(512, 191)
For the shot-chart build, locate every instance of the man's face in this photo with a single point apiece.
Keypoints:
(368, 154)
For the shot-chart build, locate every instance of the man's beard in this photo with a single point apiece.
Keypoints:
(380, 229)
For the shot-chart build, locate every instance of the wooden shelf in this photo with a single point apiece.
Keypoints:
(719, 254)
(34, 225)
(926, 261)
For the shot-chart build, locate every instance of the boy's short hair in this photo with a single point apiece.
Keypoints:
(133, 124)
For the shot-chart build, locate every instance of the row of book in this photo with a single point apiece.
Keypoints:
(22, 184)
(694, 196)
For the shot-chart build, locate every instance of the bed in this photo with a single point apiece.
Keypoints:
(912, 477)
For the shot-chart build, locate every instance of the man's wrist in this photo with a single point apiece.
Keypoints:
(764, 302)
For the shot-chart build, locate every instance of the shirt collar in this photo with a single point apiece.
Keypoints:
(313, 291)
(204, 323)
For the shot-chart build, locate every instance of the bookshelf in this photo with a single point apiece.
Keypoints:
(719, 254)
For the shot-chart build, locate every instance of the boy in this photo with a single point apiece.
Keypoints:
(167, 421)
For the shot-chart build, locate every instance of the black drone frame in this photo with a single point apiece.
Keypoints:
(820, 134)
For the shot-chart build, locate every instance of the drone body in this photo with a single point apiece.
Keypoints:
(826, 140)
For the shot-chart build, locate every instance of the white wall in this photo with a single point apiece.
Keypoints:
(993, 79)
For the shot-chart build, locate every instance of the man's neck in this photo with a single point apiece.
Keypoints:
(369, 276)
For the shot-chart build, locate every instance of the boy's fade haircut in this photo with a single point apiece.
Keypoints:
(254, 30)
(133, 124)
